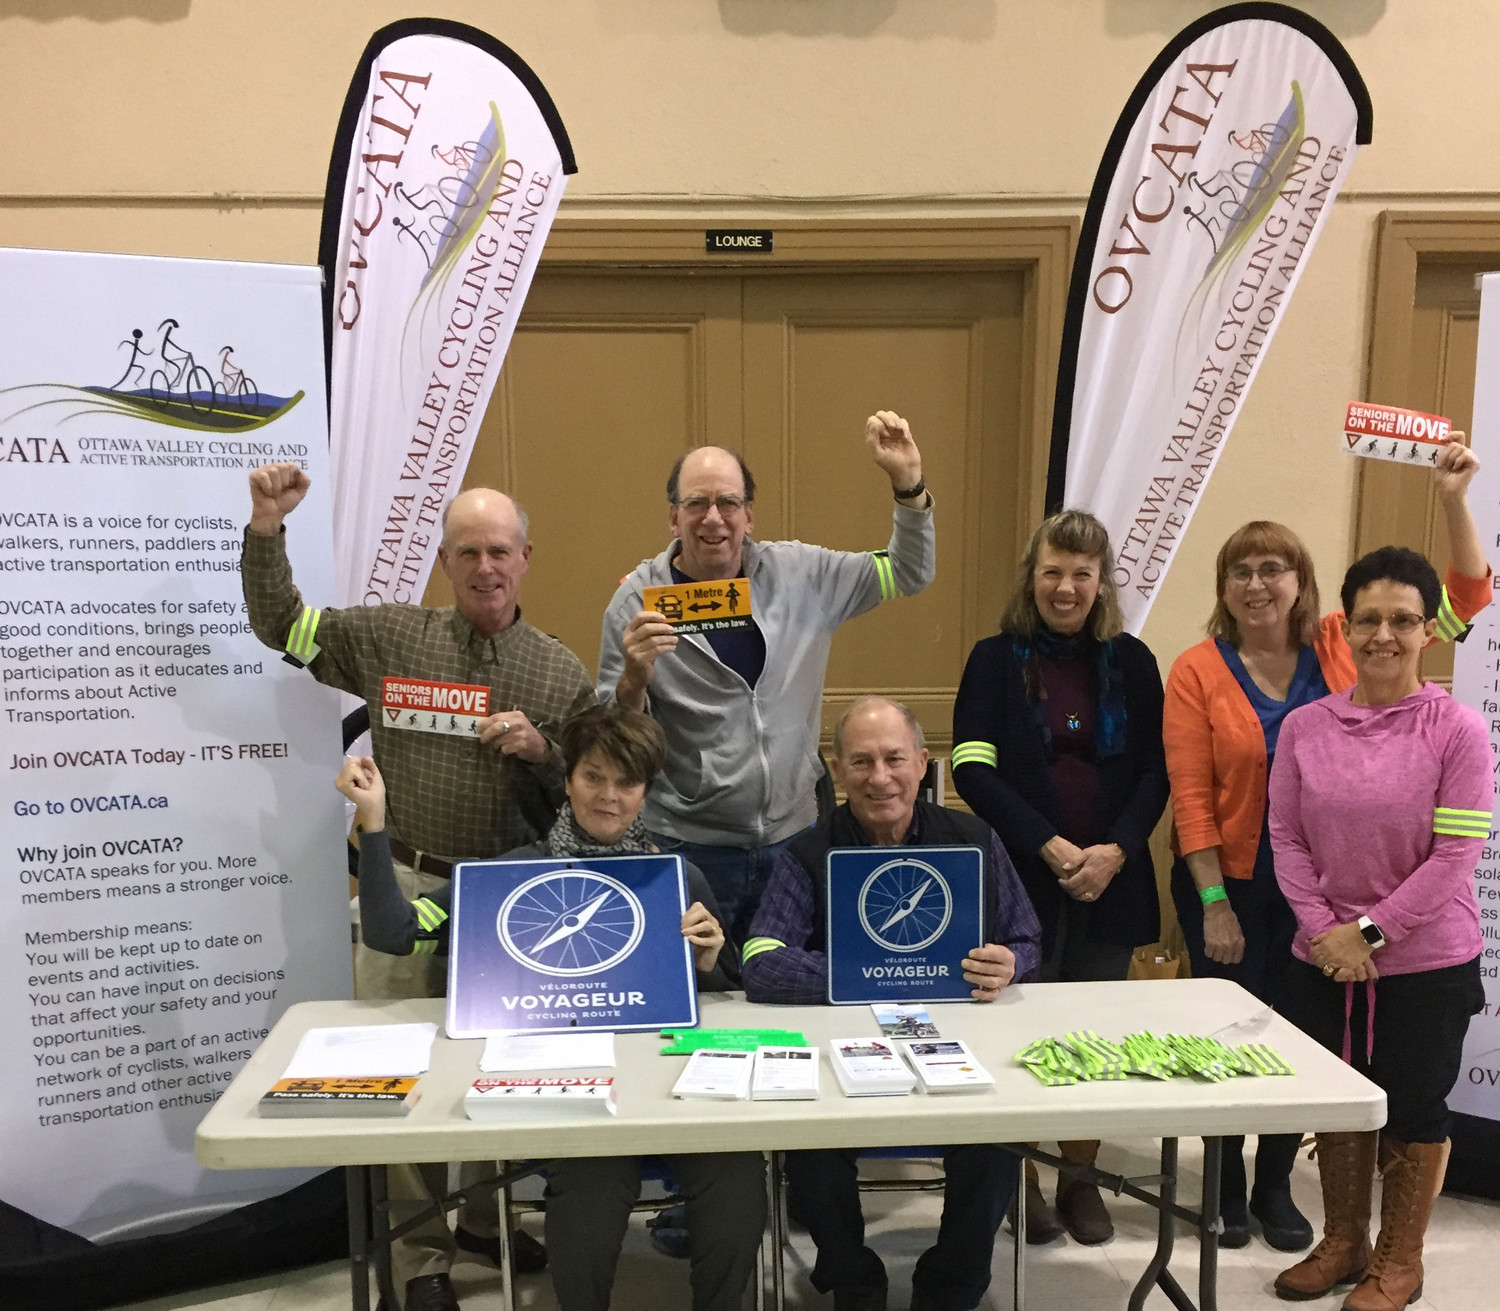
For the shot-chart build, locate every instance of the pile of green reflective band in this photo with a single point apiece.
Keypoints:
(1083, 1055)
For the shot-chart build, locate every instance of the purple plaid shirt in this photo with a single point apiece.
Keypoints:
(784, 964)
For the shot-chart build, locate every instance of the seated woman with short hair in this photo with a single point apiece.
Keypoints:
(611, 755)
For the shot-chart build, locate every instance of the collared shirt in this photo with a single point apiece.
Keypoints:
(785, 961)
(451, 796)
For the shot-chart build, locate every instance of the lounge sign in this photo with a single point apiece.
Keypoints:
(738, 241)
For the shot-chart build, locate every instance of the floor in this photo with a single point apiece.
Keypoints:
(1463, 1261)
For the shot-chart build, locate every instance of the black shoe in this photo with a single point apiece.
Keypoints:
(430, 1293)
(528, 1255)
(1236, 1222)
(860, 1297)
(1282, 1225)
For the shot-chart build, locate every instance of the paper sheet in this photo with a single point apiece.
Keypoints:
(548, 1051)
(363, 1051)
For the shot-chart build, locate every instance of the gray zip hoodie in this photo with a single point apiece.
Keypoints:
(742, 762)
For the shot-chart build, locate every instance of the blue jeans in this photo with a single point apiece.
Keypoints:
(737, 875)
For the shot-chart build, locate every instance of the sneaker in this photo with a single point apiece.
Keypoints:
(669, 1232)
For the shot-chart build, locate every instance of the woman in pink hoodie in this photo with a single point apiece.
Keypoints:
(1380, 803)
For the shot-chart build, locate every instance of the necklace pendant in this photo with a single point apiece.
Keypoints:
(1073, 722)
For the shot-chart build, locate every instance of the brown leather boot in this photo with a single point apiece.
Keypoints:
(1346, 1169)
(1079, 1206)
(1411, 1179)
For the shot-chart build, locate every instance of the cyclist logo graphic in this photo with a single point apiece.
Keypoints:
(904, 905)
(570, 923)
(164, 383)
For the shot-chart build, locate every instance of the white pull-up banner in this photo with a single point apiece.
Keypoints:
(172, 870)
(1476, 682)
(1213, 189)
(447, 170)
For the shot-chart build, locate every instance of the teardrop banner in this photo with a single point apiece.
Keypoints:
(1213, 189)
(447, 170)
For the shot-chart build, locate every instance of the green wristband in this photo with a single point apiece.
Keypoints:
(1210, 895)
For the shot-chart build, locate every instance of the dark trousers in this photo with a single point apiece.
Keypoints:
(588, 1208)
(1265, 919)
(1269, 927)
(953, 1274)
(1420, 1023)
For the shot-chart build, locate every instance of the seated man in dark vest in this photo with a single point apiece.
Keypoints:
(879, 760)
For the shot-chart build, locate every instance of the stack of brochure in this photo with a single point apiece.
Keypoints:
(716, 1075)
(897, 1021)
(386, 1095)
(785, 1074)
(870, 1067)
(946, 1065)
(498, 1099)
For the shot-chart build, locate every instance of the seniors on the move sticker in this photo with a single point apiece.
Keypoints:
(428, 707)
(712, 607)
(1385, 432)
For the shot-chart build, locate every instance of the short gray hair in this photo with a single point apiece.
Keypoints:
(919, 738)
(522, 517)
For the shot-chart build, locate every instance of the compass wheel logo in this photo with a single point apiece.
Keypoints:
(571, 923)
(904, 905)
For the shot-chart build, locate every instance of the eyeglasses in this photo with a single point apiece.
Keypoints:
(727, 505)
(1402, 623)
(1269, 572)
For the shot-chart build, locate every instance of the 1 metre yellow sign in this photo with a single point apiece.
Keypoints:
(713, 607)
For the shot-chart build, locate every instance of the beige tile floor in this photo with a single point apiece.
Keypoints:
(1463, 1262)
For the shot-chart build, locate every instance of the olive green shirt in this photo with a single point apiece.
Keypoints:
(451, 796)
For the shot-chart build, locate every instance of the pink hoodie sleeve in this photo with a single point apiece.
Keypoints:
(1466, 784)
(1295, 871)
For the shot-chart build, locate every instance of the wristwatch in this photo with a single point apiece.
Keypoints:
(1371, 933)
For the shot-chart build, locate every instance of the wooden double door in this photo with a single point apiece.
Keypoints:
(613, 374)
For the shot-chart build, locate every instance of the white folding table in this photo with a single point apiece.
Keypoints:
(1323, 1094)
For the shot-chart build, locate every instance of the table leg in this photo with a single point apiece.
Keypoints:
(507, 1248)
(1210, 1226)
(1018, 1277)
(380, 1218)
(357, 1200)
(1156, 1270)
(776, 1212)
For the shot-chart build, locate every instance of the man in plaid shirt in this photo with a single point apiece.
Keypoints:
(451, 796)
(879, 760)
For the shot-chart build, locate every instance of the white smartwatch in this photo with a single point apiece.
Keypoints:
(1371, 933)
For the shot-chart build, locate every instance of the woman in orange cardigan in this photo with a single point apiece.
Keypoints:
(1267, 653)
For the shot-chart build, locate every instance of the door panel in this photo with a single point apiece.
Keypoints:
(821, 353)
(1398, 506)
(607, 381)
(613, 374)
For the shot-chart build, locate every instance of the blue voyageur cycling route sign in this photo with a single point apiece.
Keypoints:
(900, 922)
(591, 943)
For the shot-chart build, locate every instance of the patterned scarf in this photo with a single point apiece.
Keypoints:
(1109, 712)
(567, 838)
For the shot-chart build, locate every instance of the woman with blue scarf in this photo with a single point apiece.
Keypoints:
(1057, 744)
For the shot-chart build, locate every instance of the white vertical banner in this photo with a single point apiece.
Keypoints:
(1476, 682)
(1218, 178)
(172, 873)
(447, 170)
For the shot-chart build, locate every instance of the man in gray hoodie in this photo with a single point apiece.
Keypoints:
(742, 708)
